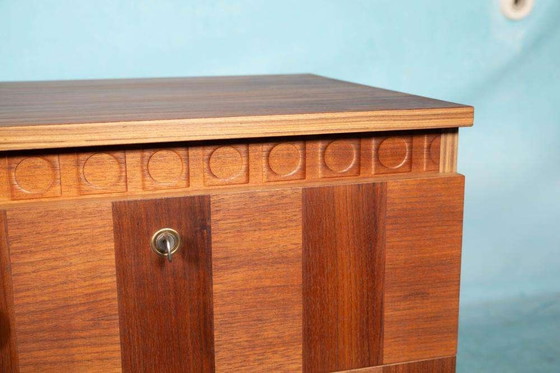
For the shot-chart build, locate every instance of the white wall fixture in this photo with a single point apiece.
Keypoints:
(517, 9)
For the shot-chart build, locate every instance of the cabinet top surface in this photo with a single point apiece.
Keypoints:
(53, 114)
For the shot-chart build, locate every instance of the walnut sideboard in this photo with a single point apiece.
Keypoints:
(281, 223)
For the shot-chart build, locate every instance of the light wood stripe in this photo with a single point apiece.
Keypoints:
(65, 293)
(449, 150)
(257, 275)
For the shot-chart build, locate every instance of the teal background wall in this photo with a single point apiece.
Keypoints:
(463, 51)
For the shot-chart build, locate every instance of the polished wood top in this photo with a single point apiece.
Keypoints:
(56, 114)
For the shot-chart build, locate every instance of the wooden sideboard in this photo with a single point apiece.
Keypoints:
(319, 222)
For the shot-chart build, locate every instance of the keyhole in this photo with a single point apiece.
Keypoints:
(166, 242)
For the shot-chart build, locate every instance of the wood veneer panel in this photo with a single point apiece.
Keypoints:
(107, 112)
(8, 349)
(65, 295)
(443, 365)
(165, 308)
(343, 260)
(422, 268)
(256, 240)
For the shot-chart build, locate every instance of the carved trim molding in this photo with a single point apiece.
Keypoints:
(193, 167)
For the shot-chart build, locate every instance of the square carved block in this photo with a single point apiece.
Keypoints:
(392, 154)
(102, 172)
(284, 161)
(226, 164)
(34, 176)
(165, 168)
(339, 158)
(432, 151)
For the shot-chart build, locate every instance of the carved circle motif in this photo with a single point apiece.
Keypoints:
(225, 162)
(340, 156)
(165, 166)
(35, 175)
(435, 146)
(392, 152)
(284, 159)
(102, 170)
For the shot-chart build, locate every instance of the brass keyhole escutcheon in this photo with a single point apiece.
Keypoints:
(166, 242)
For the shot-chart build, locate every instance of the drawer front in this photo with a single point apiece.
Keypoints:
(322, 279)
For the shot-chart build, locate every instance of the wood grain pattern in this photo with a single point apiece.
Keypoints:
(165, 308)
(8, 346)
(422, 270)
(343, 261)
(40, 115)
(256, 240)
(449, 150)
(443, 365)
(65, 296)
(208, 166)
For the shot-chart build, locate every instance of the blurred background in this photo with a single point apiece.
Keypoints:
(462, 51)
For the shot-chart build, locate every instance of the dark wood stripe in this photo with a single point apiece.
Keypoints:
(165, 309)
(343, 265)
(8, 351)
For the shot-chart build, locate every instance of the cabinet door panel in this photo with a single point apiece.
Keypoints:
(165, 308)
(317, 279)
(64, 288)
(422, 268)
(343, 260)
(256, 240)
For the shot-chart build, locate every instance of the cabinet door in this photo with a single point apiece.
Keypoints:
(423, 233)
(165, 308)
(318, 279)
(334, 278)
(381, 265)
(343, 264)
(257, 270)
